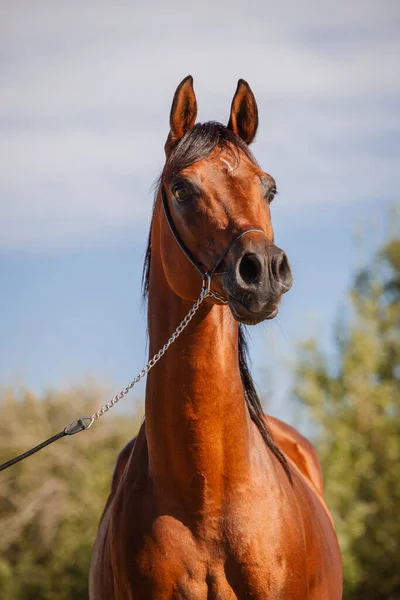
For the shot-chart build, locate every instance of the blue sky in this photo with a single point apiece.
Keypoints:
(86, 89)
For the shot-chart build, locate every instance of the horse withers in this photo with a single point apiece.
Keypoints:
(213, 499)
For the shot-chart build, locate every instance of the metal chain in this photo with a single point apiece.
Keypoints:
(84, 423)
(217, 296)
(205, 291)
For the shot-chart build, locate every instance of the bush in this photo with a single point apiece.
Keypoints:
(51, 503)
(355, 409)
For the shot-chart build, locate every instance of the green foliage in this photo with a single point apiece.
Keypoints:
(51, 503)
(355, 408)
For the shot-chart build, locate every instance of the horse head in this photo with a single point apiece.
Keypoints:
(215, 192)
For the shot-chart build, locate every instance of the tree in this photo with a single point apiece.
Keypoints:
(355, 408)
(51, 503)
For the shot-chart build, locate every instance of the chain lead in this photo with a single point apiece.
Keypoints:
(205, 291)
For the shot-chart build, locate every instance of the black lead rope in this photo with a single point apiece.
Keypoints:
(85, 422)
(72, 429)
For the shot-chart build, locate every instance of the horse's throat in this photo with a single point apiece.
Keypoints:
(197, 423)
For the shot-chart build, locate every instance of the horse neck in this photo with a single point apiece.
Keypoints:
(197, 422)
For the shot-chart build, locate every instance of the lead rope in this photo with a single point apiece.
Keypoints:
(84, 423)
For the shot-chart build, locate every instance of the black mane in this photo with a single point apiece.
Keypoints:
(197, 144)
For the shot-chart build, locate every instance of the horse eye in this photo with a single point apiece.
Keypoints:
(271, 195)
(181, 192)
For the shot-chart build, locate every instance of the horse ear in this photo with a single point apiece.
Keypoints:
(183, 112)
(244, 113)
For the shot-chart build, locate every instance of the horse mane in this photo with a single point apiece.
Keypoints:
(197, 144)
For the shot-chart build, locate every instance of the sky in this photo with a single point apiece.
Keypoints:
(85, 94)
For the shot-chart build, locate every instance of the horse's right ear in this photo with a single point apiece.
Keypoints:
(183, 113)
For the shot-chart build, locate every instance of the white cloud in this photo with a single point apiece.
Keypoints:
(87, 87)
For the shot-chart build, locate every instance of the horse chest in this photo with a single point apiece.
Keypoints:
(238, 558)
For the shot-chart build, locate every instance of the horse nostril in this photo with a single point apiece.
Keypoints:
(250, 269)
(281, 269)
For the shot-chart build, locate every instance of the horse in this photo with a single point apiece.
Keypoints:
(213, 499)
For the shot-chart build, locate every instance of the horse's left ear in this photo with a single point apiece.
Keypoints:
(244, 113)
(183, 112)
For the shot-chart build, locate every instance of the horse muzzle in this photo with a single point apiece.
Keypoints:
(255, 282)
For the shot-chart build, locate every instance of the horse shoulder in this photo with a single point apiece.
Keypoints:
(120, 465)
(103, 590)
(298, 449)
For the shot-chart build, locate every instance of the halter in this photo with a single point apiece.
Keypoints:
(84, 423)
(205, 275)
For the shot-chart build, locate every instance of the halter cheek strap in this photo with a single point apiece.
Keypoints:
(178, 238)
(205, 275)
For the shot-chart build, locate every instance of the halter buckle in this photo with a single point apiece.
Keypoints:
(207, 283)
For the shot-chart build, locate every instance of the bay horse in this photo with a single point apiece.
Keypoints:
(213, 499)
